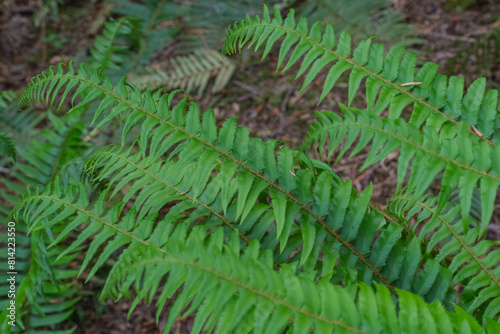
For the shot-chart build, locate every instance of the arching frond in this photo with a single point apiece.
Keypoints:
(253, 235)
(247, 295)
(435, 98)
(465, 160)
(193, 258)
(108, 53)
(7, 148)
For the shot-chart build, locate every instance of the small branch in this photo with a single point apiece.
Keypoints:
(246, 87)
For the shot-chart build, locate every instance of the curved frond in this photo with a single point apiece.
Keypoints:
(473, 262)
(466, 161)
(193, 259)
(435, 98)
(107, 53)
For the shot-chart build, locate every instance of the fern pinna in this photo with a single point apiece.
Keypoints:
(257, 236)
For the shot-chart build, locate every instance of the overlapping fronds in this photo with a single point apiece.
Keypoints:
(474, 262)
(435, 99)
(246, 294)
(45, 293)
(154, 184)
(465, 160)
(190, 72)
(108, 53)
(149, 35)
(219, 278)
(362, 18)
(263, 237)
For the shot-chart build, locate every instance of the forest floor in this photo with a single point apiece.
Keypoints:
(267, 102)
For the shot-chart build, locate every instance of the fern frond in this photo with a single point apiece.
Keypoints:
(475, 263)
(435, 101)
(237, 302)
(155, 250)
(190, 72)
(464, 159)
(45, 294)
(148, 36)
